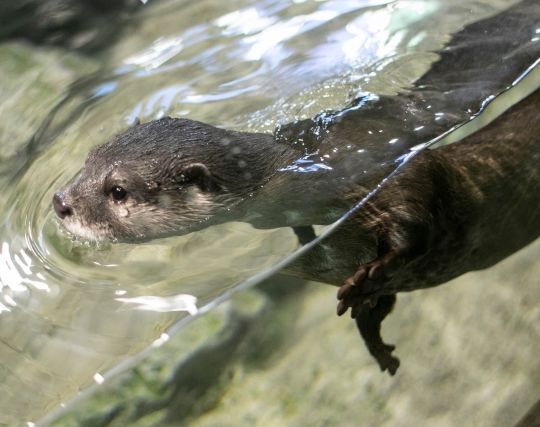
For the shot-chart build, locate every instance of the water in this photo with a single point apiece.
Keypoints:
(72, 311)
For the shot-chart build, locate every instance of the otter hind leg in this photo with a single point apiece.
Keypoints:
(404, 241)
(368, 320)
(371, 292)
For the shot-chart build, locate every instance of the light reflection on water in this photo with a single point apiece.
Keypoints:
(180, 302)
(70, 311)
(242, 49)
(11, 279)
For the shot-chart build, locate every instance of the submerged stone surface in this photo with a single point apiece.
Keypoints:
(468, 349)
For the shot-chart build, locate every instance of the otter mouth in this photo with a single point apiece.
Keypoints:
(99, 233)
(81, 231)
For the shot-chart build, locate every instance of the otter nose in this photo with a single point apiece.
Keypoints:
(60, 207)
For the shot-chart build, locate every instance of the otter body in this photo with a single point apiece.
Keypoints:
(470, 204)
(455, 209)
(451, 210)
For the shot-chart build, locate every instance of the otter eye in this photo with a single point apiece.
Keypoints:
(118, 193)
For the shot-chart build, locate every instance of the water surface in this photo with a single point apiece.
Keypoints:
(71, 310)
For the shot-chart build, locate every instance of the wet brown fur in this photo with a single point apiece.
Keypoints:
(455, 209)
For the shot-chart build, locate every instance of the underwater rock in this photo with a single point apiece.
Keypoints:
(298, 366)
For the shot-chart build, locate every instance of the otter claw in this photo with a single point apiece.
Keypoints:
(342, 308)
(360, 275)
(344, 290)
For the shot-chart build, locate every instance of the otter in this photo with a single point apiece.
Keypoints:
(430, 222)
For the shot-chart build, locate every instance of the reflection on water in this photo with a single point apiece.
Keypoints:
(12, 281)
(71, 311)
(181, 302)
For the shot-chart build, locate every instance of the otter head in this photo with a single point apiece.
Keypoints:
(160, 178)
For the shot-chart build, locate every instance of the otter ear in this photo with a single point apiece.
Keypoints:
(198, 174)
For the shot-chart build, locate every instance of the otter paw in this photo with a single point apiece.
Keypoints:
(352, 294)
(386, 361)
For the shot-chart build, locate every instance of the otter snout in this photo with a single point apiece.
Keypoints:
(61, 208)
